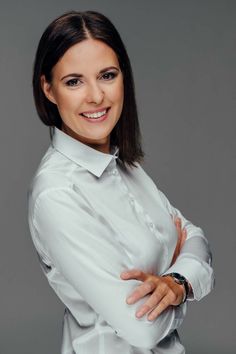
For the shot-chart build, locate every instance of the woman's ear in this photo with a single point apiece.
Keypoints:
(47, 89)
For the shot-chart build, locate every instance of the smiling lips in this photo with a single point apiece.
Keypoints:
(98, 116)
(91, 113)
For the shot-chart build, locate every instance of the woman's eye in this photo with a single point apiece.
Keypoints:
(76, 82)
(72, 82)
(110, 74)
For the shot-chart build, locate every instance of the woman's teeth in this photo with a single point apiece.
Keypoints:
(95, 115)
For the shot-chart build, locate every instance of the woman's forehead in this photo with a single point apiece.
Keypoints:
(87, 56)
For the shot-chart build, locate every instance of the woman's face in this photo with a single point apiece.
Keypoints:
(87, 78)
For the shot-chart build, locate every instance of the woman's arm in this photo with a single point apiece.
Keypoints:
(192, 258)
(82, 246)
(163, 289)
(194, 261)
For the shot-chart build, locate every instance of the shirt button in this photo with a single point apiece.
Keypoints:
(125, 189)
(151, 225)
(131, 201)
(115, 172)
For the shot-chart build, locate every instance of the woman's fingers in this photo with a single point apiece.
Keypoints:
(181, 238)
(177, 222)
(182, 234)
(163, 304)
(134, 274)
(166, 293)
(155, 299)
(148, 285)
(142, 290)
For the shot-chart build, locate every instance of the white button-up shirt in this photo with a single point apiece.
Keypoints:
(90, 220)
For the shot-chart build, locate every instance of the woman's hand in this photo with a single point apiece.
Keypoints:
(165, 291)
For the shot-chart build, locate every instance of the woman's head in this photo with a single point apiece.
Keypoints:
(84, 43)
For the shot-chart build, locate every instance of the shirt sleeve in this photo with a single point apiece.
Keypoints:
(81, 245)
(195, 259)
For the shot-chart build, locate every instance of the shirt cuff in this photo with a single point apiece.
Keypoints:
(199, 274)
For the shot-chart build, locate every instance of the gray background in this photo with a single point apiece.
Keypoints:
(183, 58)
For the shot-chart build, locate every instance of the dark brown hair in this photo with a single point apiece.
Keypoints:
(66, 31)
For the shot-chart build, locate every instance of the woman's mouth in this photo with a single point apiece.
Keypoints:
(96, 117)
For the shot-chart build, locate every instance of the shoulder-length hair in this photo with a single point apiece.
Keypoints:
(61, 34)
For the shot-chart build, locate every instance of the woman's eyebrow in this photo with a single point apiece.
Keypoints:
(100, 72)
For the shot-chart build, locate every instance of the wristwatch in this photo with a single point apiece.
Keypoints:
(180, 279)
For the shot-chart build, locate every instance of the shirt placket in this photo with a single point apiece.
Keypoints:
(143, 216)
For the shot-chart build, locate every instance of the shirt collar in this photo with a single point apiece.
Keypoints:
(93, 160)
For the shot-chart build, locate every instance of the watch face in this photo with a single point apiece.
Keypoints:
(179, 277)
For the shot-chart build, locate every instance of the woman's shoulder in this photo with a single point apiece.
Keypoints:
(53, 172)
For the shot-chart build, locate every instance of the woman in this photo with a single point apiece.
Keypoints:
(94, 213)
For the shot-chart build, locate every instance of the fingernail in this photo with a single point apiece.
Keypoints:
(124, 273)
(150, 317)
(130, 300)
(139, 313)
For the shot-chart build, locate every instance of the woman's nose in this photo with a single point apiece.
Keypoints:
(94, 93)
